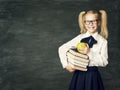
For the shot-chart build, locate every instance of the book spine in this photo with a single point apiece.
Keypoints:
(79, 65)
(77, 61)
(76, 58)
(78, 54)
(78, 68)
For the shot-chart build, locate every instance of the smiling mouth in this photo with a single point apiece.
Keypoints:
(91, 27)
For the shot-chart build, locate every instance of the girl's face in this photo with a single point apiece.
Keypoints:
(91, 23)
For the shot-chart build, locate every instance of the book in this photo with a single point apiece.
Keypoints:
(77, 67)
(77, 57)
(77, 63)
(77, 60)
(76, 53)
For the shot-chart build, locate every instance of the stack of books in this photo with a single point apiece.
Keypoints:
(77, 60)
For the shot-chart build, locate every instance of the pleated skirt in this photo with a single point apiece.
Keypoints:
(89, 80)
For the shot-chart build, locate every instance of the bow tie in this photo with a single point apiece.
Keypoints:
(89, 40)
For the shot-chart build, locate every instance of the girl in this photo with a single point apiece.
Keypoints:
(89, 22)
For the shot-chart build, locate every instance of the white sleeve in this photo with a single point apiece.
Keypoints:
(99, 58)
(64, 48)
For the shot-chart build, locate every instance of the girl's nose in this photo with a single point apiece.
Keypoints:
(91, 23)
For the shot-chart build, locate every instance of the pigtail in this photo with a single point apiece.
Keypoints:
(104, 30)
(81, 22)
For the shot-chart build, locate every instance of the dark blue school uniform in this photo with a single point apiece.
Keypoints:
(86, 80)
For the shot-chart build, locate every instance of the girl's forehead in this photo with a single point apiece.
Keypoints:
(90, 16)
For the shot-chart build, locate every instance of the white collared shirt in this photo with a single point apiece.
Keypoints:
(98, 54)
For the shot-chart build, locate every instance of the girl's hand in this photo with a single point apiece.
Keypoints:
(69, 68)
(86, 50)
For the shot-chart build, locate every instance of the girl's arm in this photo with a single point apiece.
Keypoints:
(65, 47)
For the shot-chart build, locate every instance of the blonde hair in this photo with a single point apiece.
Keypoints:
(101, 16)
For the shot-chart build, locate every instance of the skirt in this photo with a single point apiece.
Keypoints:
(89, 80)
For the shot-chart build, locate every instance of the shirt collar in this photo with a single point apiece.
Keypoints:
(94, 35)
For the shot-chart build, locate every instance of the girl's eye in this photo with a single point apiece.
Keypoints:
(87, 22)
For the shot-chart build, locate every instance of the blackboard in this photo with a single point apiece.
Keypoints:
(31, 32)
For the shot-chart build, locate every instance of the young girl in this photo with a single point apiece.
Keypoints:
(89, 22)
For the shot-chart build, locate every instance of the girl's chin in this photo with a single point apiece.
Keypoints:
(92, 31)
